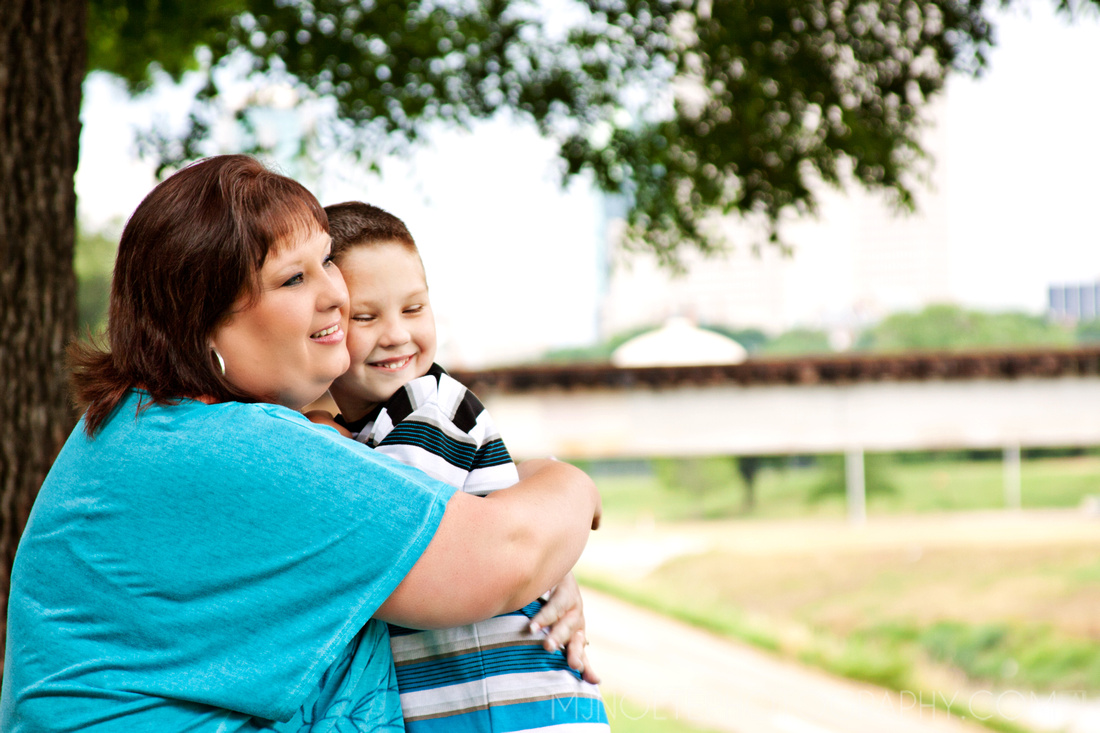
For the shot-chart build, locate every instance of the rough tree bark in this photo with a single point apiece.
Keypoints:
(42, 64)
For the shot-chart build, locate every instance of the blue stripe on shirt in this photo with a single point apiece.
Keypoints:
(430, 439)
(479, 664)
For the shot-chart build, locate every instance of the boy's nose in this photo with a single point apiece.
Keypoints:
(394, 334)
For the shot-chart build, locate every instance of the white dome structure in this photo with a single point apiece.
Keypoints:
(678, 343)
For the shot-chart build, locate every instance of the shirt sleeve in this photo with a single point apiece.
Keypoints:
(442, 428)
(222, 554)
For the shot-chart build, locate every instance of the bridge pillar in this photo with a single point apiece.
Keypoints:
(856, 486)
(1012, 480)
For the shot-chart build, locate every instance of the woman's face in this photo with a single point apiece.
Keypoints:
(288, 346)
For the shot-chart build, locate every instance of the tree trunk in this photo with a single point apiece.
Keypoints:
(42, 64)
(748, 466)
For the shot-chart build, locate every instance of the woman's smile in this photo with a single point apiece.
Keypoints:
(331, 335)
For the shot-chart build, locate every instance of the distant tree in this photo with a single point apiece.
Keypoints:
(1088, 332)
(796, 342)
(752, 339)
(702, 477)
(594, 353)
(834, 481)
(749, 467)
(950, 327)
(93, 261)
(706, 477)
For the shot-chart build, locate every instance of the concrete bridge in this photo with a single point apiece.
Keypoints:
(839, 404)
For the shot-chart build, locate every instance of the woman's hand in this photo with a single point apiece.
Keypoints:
(562, 617)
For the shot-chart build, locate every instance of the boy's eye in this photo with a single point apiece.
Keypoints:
(414, 309)
(362, 317)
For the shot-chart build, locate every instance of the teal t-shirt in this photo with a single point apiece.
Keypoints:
(212, 568)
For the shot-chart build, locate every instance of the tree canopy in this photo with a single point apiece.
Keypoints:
(946, 327)
(685, 109)
(937, 327)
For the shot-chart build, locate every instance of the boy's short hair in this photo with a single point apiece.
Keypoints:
(354, 224)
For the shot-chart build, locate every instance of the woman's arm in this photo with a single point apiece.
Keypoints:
(498, 553)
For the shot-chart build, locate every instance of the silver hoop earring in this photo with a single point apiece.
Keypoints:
(221, 361)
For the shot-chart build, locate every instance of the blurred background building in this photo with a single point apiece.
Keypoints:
(1075, 302)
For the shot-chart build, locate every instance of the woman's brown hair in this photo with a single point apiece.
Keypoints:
(190, 250)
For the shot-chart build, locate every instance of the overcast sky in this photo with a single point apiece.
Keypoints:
(1024, 168)
(1023, 174)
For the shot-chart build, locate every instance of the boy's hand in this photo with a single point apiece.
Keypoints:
(323, 418)
(561, 619)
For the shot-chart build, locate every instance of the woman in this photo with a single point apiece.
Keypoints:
(203, 558)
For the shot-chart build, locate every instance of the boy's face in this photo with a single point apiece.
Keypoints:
(391, 328)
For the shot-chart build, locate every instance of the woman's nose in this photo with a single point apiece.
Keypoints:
(335, 294)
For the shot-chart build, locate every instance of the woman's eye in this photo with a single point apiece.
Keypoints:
(296, 280)
(328, 261)
(413, 309)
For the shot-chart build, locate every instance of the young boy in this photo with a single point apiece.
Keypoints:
(490, 676)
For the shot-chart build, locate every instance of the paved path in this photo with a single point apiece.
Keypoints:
(650, 663)
(654, 666)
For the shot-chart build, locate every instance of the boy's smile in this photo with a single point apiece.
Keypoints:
(392, 364)
(391, 328)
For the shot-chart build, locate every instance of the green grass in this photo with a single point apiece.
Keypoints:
(931, 486)
(892, 656)
(1000, 616)
(1037, 657)
(933, 620)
